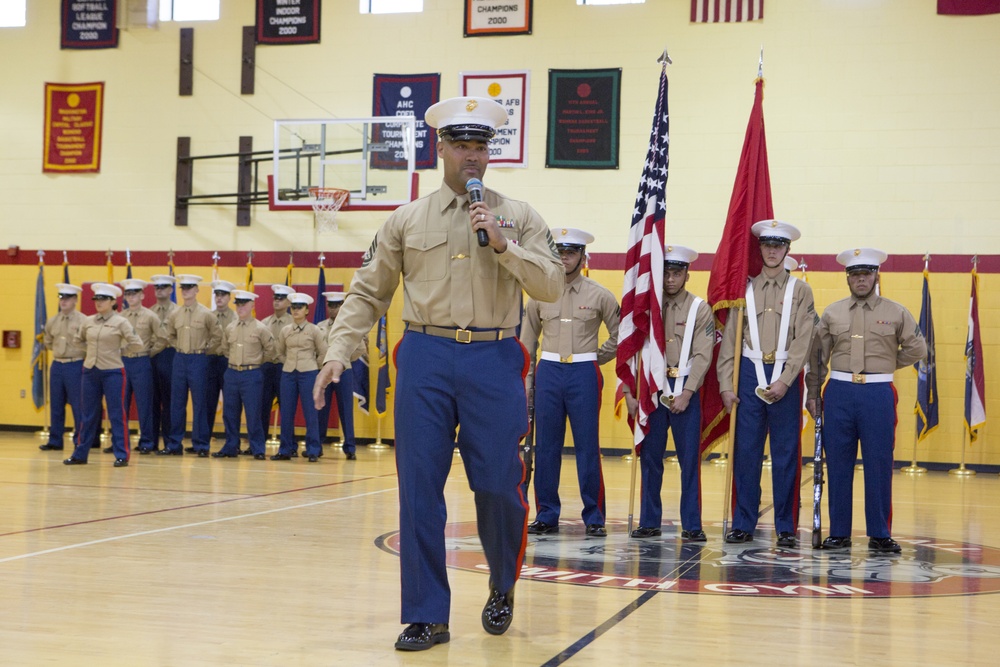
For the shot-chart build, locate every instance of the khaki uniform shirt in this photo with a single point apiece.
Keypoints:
(149, 328)
(60, 336)
(193, 329)
(448, 280)
(105, 336)
(248, 343)
(573, 321)
(276, 324)
(769, 296)
(163, 310)
(892, 338)
(675, 324)
(302, 346)
(225, 317)
(360, 352)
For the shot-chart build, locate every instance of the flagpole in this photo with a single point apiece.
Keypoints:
(635, 450)
(44, 362)
(731, 444)
(913, 468)
(961, 470)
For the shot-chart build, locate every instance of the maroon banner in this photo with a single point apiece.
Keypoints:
(89, 24)
(287, 21)
(968, 7)
(73, 124)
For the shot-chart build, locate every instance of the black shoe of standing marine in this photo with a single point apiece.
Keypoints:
(738, 536)
(596, 530)
(422, 636)
(884, 545)
(644, 532)
(541, 528)
(787, 540)
(837, 543)
(499, 611)
(694, 535)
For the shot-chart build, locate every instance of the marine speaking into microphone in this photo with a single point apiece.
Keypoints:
(475, 188)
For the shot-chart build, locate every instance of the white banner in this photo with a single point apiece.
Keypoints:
(509, 148)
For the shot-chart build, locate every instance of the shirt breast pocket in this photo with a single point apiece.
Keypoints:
(884, 329)
(426, 256)
(585, 314)
(839, 331)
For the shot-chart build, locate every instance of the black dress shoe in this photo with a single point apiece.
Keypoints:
(145, 452)
(693, 536)
(351, 456)
(246, 452)
(313, 459)
(884, 545)
(422, 636)
(787, 540)
(596, 530)
(189, 450)
(170, 452)
(294, 454)
(738, 536)
(50, 447)
(541, 528)
(108, 450)
(281, 457)
(74, 462)
(121, 463)
(498, 612)
(203, 454)
(640, 532)
(259, 457)
(224, 455)
(837, 543)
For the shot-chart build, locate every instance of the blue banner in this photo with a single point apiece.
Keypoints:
(382, 390)
(405, 95)
(319, 312)
(38, 349)
(89, 25)
(927, 396)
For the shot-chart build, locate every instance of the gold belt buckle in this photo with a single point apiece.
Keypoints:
(858, 378)
(566, 360)
(769, 358)
(673, 372)
(459, 333)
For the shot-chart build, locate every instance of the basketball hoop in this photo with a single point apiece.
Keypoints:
(326, 202)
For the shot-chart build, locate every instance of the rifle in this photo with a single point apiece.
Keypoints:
(817, 535)
(528, 448)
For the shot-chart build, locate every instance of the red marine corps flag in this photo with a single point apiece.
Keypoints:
(737, 257)
(641, 341)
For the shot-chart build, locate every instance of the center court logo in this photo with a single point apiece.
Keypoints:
(927, 566)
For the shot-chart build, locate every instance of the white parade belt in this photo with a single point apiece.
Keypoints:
(860, 378)
(571, 359)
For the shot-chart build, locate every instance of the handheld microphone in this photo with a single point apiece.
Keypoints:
(475, 188)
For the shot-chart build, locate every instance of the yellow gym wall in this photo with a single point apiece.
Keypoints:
(881, 126)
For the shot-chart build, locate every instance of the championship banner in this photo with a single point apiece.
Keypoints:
(584, 113)
(510, 90)
(287, 21)
(405, 95)
(89, 25)
(489, 17)
(73, 119)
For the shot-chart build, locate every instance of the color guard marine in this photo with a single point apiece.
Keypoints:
(864, 339)
(67, 366)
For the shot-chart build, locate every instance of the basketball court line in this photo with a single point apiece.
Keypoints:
(196, 505)
(589, 638)
(186, 525)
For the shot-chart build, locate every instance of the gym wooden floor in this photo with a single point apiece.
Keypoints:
(188, 562)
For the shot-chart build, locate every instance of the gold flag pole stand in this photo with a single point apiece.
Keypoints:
(378, 445)
(274, 440)
(961, 470)
(913, 468)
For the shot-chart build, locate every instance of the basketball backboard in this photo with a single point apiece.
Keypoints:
(373, 158)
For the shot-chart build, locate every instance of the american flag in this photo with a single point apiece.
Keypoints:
(975, 379)
(726, 11)
(640, 334)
